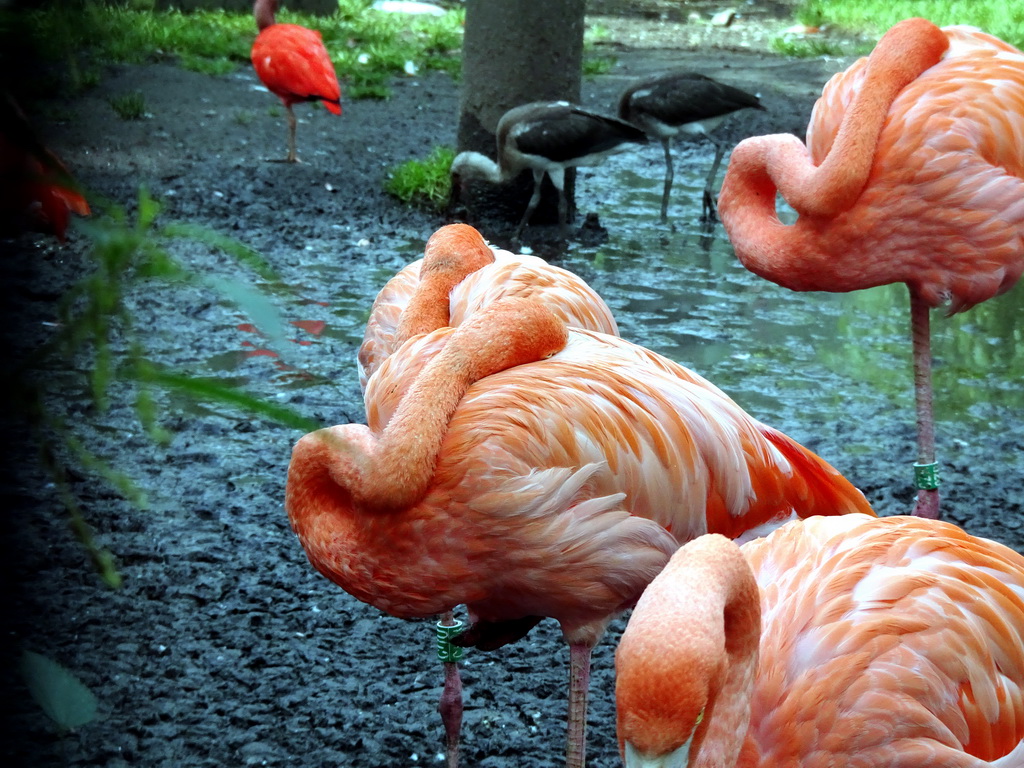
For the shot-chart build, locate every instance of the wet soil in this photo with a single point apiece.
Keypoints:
(223, 646)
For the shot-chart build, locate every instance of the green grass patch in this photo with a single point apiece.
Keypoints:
(129, 106)
(367, 47)
(811, 47)
(1003, 19)
(425, 183)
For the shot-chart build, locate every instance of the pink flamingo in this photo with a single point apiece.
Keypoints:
(555, 488)
(913, 172)
(457, 276)
(835, 641)
(293, 63)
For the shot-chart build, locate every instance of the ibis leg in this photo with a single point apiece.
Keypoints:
(669, 176)
(538, 178)
(708, 213)
(292, 156)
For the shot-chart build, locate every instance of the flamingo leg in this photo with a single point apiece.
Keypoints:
(708, 212)
(579, 687)
(292, 156)
(450, 705)
(669, 176)
(926, 469)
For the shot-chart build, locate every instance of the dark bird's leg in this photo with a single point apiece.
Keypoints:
(669, 176)
(538, 178)
(292, 156)
(450, 705)
(558, 180)
(708, 212)
(926, 472)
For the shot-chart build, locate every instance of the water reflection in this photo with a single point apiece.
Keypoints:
(792, 359)
(784, 355)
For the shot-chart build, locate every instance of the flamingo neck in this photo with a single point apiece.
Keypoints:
(901, 56)
(800, 257)
(264, 10)
(394, 471)
(453, 253)
(691, 647)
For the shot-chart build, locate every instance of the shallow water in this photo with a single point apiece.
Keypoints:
(812, 364)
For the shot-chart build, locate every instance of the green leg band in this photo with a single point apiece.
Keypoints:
(926, 476)
(445, 650)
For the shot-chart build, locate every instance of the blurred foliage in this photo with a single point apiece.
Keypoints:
(426, 183)
(801, 47)
(1003, 19)
(97, 349)
(595, 61)
(61, 695)
(129, 106)
(367, 47)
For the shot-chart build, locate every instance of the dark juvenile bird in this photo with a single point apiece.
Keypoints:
(293, 63)
(547, 137)
(673, 103)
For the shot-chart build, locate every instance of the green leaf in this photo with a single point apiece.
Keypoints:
(263, 313)
(242, 253)
(208, 389)
(62, 696)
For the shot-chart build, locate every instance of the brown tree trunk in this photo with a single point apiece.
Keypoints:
(514, 52)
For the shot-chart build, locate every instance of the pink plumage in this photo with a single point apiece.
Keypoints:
(835, 641)
(475, 276)
(913, 172)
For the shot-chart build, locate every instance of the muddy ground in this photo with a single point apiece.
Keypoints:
(223, 646)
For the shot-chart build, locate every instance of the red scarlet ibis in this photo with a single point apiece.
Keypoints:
(557, 487)
(458, 275)
(673, 103)
(835, 641)
(913, 172)
(292, 62)
(36, 189)
(547, 137)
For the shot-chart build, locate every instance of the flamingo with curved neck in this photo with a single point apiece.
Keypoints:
(913, 172)
(459, 275)
(835, 641)
(556, 488)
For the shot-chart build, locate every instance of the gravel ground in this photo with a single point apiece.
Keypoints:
(223, 647)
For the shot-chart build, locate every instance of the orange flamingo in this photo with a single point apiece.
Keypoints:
(557, 488)
(849, 641)
(35, 186)
(458, 274)
(913, 172)
(292, 62)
